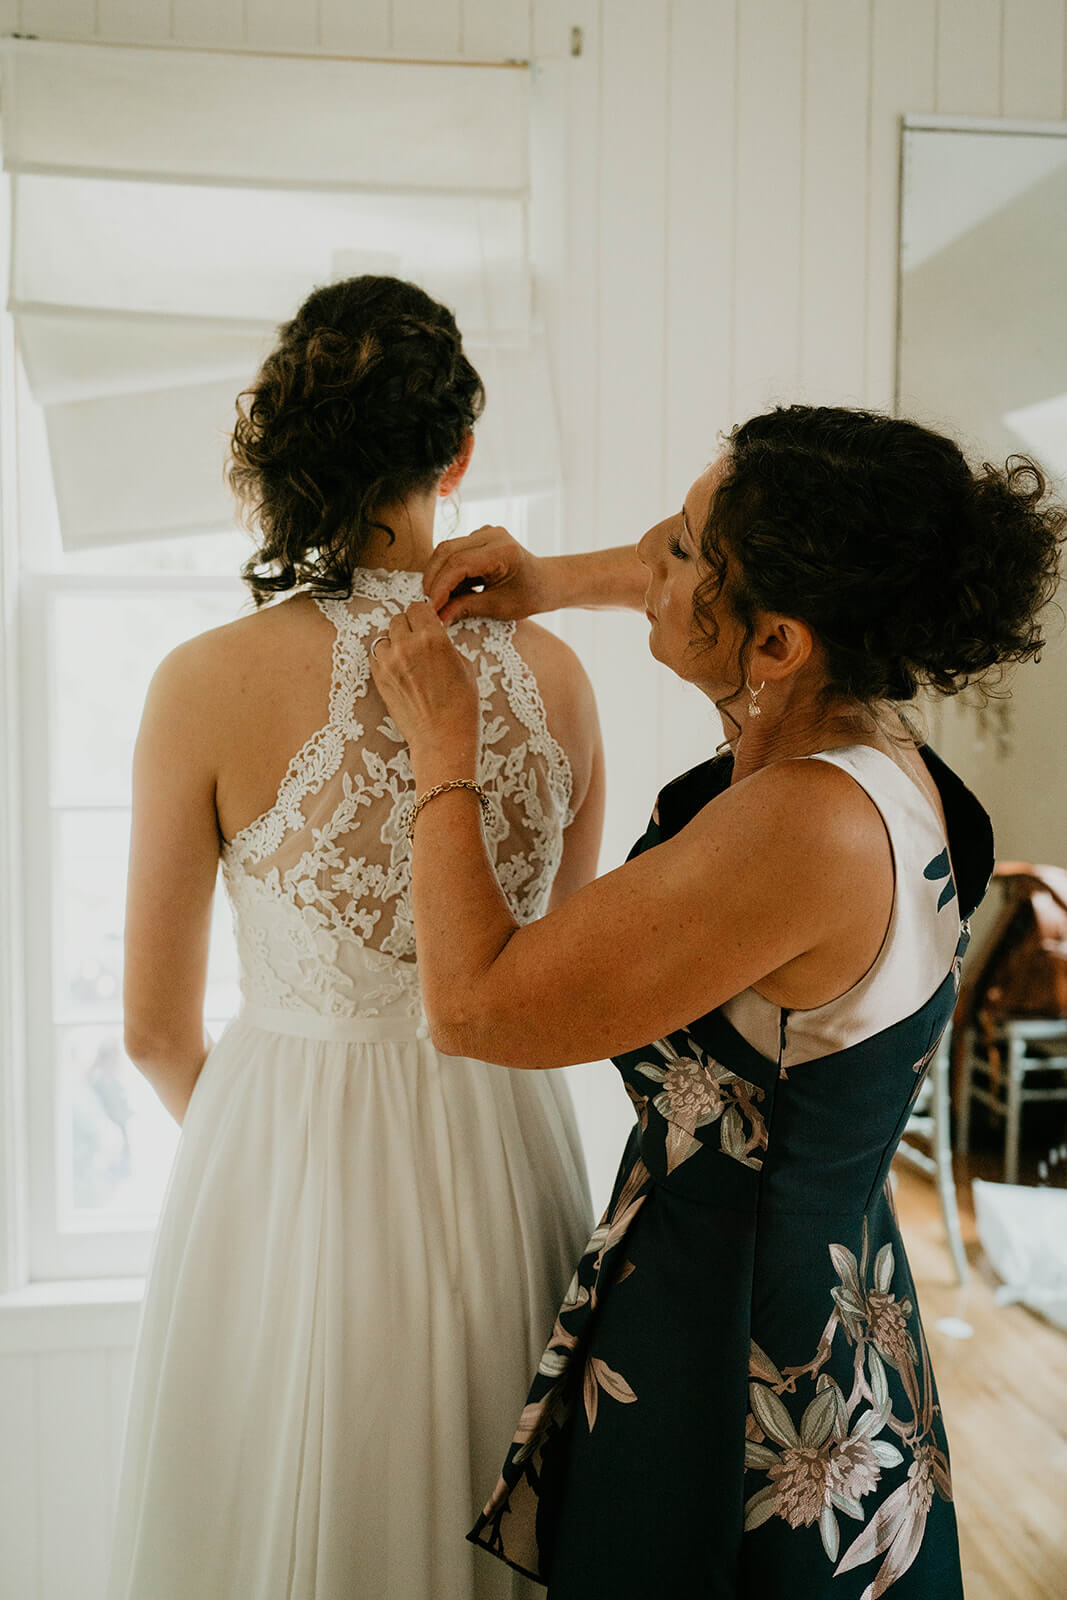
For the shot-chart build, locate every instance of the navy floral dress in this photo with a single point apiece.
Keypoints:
(736, 1399)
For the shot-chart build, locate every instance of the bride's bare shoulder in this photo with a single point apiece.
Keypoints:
(258, 654)
(551, 660)
(293, 618)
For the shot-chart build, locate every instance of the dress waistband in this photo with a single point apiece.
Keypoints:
(341, 1030)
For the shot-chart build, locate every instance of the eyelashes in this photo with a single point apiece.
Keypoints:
(675, 547)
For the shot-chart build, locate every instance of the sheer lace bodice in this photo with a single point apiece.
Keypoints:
(320, 883)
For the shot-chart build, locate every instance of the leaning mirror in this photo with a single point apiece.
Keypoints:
(982, 353)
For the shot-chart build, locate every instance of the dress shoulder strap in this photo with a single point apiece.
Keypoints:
(921, 940)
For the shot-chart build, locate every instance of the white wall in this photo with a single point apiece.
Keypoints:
(728, 171)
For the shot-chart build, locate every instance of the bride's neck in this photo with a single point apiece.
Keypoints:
(410, 523)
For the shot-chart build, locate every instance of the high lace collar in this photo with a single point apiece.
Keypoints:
(387, 583)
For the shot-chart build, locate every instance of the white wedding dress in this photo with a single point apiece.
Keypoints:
(364, 1242)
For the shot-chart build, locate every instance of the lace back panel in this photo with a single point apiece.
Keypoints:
(320, 883)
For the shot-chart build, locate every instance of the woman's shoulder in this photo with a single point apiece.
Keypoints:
(253, 658)
(803, 807)
(550, 658)
(295, 617)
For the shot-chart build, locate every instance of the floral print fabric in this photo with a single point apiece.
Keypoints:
(824, 1466)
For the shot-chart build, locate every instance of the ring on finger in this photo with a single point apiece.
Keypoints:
(375, 642)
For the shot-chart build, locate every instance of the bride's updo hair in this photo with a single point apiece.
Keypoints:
(912, 569)
(366, 398)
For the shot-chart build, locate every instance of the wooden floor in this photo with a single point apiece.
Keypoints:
(1004, 1398)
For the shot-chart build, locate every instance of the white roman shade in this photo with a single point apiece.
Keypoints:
(171, 207)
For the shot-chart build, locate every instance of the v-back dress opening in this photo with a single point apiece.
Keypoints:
(363, 1240)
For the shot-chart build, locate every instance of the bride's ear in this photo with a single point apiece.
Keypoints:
(453, 476)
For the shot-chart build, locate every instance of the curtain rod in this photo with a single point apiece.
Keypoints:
(512, 64)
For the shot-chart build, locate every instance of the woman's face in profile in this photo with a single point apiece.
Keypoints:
(671, 552)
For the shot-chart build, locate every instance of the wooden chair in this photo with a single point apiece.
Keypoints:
(1011, 1020)
(1027, 1045)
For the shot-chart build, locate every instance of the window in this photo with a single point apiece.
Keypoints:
(147, 279)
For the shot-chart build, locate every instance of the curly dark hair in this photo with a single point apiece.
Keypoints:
(366, 398)
(912, 569)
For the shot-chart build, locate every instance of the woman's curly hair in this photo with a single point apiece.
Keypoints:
(366, 398)
(912, 570)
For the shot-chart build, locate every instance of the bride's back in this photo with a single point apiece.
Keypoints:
(314, 787)
(359, 419)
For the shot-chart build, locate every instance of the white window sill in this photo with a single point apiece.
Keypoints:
(100, 1313)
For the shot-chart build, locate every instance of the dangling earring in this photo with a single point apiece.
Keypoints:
(753, 698)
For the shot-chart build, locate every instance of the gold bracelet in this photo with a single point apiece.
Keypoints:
(442, 788)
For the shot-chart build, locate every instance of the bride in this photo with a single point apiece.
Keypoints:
(364, 1241)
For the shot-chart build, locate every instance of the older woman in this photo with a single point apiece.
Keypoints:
(737, 1397)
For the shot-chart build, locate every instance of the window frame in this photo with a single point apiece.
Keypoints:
(14, 1267)
(119, 1249)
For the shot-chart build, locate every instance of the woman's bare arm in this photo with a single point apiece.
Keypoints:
(778, 868)
(515, 583)
(174, 858)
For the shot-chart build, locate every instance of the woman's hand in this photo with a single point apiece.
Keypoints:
(430, 691)
(487, 574)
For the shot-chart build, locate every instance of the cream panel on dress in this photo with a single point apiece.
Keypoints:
(920, 942)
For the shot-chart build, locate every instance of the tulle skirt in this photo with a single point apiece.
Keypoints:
(360, 1257)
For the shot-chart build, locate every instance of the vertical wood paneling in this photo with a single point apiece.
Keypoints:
(552, 280)
(833, 257)
(633, 140)
(968, 57)
(700, 219)
(74, 1483)
(699, 287)
(355, 30)
(632, 268)
(1032, 68)
(551, 23)
(564, 245)
(133, 21)
(422, 31)
(209, 22)
(571, 287)
(565, 258)
(770, 123)
(282, 24)
(119, 1376)
(496, 30)
(9, 16)
(69, 19)
(902, 80)
(19, 1436)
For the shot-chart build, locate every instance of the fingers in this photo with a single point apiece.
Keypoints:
(421, 618)
(459, 563)
(392, 648)
(448, 552)
(469, 605)
(397, 652)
